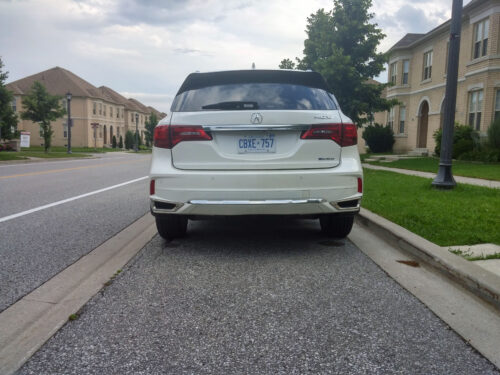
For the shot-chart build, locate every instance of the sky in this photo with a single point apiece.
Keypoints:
(145, 48)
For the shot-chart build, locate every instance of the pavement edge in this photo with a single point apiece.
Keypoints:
(26, 325)
(481, 282)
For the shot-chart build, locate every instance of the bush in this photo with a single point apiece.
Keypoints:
(465, 140)
(120, 143)
(379, 138)
(129, 140)
(113, 143)
(494, 134)
(486, 156)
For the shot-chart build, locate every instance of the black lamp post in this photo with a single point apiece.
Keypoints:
(68, 98)
(136, 145)
(444, 178)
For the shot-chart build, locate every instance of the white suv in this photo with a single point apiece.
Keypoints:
(255, 142)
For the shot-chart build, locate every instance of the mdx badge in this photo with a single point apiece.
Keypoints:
(256, 118)
(322, 117)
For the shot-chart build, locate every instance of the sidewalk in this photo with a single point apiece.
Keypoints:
(458, 179)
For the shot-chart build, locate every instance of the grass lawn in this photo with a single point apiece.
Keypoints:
(22, 155)
(8, 155)
(488, 171)
(73, 149)
(466, 215)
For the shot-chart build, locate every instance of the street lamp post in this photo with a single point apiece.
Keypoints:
(68, 98)
(444, 178)
(136, 145)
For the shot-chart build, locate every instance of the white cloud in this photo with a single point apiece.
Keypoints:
(148, 47)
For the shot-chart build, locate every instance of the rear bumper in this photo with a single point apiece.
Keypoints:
(257, 192)
(314, 206)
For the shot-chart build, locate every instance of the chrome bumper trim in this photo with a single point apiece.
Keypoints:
(156, 210)
(257, 202)
(347, 209)
(227, 128)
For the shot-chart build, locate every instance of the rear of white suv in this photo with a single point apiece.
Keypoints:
(255, 142)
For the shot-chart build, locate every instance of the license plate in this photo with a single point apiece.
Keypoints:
(255, 144)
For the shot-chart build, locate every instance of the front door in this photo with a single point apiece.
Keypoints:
(422, 126)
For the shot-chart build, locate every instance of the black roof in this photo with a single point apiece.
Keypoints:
(296, 77)
(407, 40)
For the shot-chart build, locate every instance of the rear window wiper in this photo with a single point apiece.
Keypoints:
(232, 105)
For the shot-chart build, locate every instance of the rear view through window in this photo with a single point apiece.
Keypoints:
(252, 96)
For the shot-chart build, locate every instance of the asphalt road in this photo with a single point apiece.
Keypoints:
(255, 296)
(36, 246)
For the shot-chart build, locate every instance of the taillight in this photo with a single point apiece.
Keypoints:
(343, 134)
(161, 137)
(167, 136)
(152, 187)
(349, 135)
(360, 185)
(180, 133)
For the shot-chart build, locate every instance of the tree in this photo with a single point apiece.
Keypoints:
(113, 143)
(8, 118)
(120, 143)
(341, 45)
(42, 108)
(150, 129)
(287, 64)
(129, 140)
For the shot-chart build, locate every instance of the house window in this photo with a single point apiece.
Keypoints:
(402, 118)
(427, 73)
(406, 70)
(110, 111)
(132, 117)
(14, 105)
(65, 129)
(475, 106)
(63, 103)
(104, 112)
(497, 105)
(94, 109)
(100, 108)
(118, 112)
(390, 118)
(394, 72)
(481, 31)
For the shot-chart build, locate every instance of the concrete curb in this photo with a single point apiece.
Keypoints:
(26, 325)
(481, 282)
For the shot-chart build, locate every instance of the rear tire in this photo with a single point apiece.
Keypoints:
(336, 225)
(171, 226)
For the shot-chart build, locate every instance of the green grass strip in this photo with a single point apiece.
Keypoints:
(466, 215)
(487, 171)
(10, 155)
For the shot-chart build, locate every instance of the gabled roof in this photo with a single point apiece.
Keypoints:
(113, 95)
(137, 104)
(407, 40)
(57, 81)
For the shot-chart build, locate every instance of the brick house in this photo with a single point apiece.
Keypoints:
(113, 113)
(417, 71)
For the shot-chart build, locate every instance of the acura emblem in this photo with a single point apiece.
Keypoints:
(256, 118)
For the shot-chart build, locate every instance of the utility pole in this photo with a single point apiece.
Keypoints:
(68, 99)
(444, 178)
(136, 145)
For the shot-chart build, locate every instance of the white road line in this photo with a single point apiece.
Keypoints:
(27, 212)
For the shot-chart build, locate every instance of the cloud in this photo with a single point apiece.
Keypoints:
(150, 46)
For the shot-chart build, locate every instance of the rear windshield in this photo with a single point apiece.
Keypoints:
(248, 96)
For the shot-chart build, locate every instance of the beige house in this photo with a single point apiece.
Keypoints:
(417, 71)
(98, 114)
